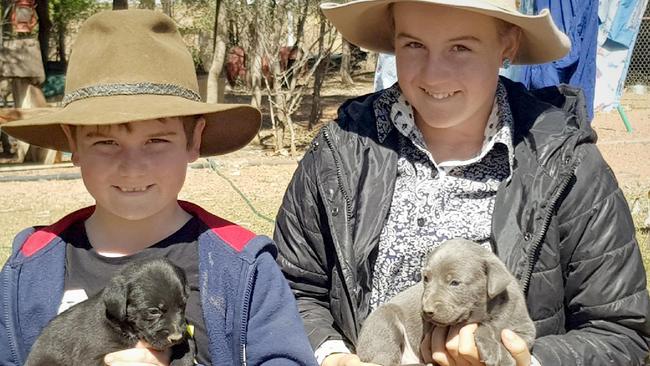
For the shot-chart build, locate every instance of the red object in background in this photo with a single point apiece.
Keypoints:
(23, 18)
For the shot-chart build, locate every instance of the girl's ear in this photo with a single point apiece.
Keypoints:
(195, 146)
(511, 38)
(72, 143)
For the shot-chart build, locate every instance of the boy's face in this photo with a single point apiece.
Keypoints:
(136, 170)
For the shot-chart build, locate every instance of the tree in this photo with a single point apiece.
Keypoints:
(120, 4)
(215, 87)
(44, 27)
(64, 12)
(345, 72)
(167, 6)
(326, 36)
(291, 67)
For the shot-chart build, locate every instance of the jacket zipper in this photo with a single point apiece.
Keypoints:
(536, 246)
(348, 208)
(8, 320)
(339, 176)
(244, 323)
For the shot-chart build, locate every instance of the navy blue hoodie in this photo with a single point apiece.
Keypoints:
(249, 311)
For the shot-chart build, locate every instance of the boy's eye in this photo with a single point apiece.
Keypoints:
(157, 141)
(105, 142)
(459, 48)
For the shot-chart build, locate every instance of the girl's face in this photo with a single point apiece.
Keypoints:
(448, 62)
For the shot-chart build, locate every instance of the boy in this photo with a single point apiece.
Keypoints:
(133, 120)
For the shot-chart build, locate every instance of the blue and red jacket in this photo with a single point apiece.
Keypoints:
(249, 311)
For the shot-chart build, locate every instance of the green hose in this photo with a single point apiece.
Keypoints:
(213, 166)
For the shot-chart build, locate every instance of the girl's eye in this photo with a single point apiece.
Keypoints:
(459, 48)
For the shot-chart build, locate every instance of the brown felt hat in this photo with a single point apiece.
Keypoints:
(132, 65)
(366, 23)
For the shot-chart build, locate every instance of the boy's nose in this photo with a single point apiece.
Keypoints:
(132, 163)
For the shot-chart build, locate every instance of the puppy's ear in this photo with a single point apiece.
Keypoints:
(114, 296)
(497, 276)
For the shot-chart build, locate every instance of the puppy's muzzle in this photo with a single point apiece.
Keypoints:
(175, 337)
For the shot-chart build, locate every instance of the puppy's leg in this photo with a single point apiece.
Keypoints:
(490, 348)
(183, 354)
(382, 339)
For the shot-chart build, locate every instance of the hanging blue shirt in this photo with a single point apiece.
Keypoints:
(579, 20)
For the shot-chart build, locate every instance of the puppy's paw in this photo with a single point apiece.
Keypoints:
(490, 348)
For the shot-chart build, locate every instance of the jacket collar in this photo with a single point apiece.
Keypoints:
(233, 235)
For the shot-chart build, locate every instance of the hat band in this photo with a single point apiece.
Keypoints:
(106, 90)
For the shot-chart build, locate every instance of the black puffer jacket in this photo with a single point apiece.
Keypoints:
(561, 225)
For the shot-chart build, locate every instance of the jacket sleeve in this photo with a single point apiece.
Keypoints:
(10, 355)
(275, 334)
(7, 353)
(300, 234)
(606, 300)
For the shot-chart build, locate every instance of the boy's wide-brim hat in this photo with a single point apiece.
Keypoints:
(367, 23)
(132, 65)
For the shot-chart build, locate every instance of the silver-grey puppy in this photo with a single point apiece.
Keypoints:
(462, 282)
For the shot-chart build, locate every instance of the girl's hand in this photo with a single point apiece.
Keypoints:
(344, 359)
(455, 346)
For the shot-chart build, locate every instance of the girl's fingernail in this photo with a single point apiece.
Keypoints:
(509, 334)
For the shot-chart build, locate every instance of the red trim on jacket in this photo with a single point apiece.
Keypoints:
(235, 236)
(43, 236)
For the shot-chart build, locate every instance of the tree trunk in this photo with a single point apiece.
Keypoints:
(148, 4)
(167, 7)
(255, 73)
(120, 4)
(346, 79)
(44, 25)
(314, 115)
(218, 55)
(300, 28)
(61, 44)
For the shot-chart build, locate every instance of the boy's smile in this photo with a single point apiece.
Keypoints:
(134, 189)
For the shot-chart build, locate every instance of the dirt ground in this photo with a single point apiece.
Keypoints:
(258, 176)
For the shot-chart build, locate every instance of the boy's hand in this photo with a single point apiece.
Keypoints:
(138, 356)
(344, 359)
(455, 346)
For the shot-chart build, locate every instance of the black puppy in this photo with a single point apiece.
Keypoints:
(144, 301)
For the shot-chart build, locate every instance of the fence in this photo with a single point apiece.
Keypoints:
(639, 71)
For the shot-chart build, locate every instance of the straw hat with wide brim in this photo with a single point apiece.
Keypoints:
(366, 23)
(132, 65)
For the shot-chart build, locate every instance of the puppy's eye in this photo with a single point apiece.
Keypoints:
(154, 312)
(454, 283)
(425, 278)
